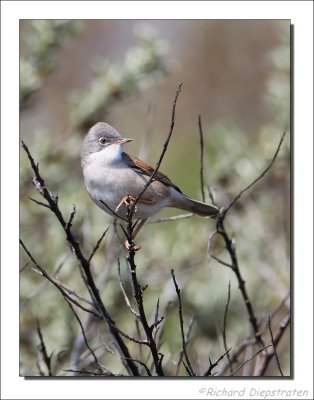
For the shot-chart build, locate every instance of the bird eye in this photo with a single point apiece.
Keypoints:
(103, 141)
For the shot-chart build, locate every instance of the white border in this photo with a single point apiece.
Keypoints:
(301, 14)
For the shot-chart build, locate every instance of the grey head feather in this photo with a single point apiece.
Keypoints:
(91, 140)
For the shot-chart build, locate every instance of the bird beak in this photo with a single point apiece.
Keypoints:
(123, 140)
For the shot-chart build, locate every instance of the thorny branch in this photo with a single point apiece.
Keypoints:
(137, 289)
(213, 365)
(52, 203)
(43, 351)
(187, 360)
(138, 197)
(224, 332)
(231, 248)
(274, 346)
(267, 356)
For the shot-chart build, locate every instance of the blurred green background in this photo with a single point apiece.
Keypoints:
(235, 73)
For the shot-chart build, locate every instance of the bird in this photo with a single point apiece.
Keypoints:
(113, 179)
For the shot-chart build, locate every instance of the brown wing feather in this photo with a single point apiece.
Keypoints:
(146, 169)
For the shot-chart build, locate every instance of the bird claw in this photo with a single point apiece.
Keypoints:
(127, 200)
(131, 246)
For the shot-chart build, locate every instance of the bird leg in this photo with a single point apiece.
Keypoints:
(133, 246)
(127, 200)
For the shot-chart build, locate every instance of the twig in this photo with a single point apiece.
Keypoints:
(38, 289)
(224, 335)
(143, 365)
(213, 365)
(230, 246)
(250, 341)
(52, 280)
(138, 294)
(202, 157)
(189, 366)
(84, 264)
(250, 359)
(128, 303)
(97, 245)
(226, 209)
(274, 346)
(99, 367)
(150, 180)
(43, 350)
(221, 261)
(39, 203)
(262, 367)
(137, 289)
(85, 371)
(187, 339)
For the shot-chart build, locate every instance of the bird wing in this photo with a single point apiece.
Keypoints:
(143, 168)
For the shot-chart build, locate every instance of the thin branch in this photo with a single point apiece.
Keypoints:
(250, 359)
(138, 294)
(274, 347)
(97, 245)
(62, 291)
(84, 264)
(224, 335)
(230, 246)
(99, 367)
(189, 366)
(221, 261)
(226, 209)
(202, 157)
(262, 367)
(137, 290)
(39, 203)
(213, 365)
(128, 303)
(150, 180)
(92, 373)
(187, 339)
(249, 341)
(43, 350)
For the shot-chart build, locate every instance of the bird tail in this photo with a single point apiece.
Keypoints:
(198, 207)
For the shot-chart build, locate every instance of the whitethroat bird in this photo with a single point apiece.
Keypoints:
(113, 177)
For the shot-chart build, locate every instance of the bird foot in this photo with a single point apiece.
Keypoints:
(127, 200)
(131, 246)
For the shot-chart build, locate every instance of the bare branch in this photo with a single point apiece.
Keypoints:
(43, 350)
(138, 295)
(138, 197)
(274, 347)
(213, 365)
(187, 339)
(84, 264)
(52, 280)
(99, 367)
(97, 245)
(39, 203)
(267, 357)
(250, 359)
(224, 335)
(189, 366)
(226, 209)
(128, 303)
(231, 248)
(221, 261)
